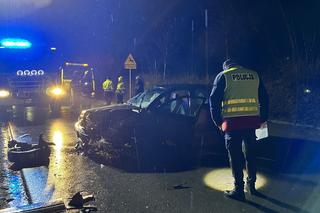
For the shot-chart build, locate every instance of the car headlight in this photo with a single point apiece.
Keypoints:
(4, 93)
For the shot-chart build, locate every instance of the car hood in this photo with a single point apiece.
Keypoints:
(108, 114)
(112, 108)
(100, 119)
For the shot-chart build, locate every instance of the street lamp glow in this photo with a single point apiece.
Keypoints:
(53, 48)
(15, 43)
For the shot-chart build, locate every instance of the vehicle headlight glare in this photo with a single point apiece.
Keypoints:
(4, 93)
(57, 91)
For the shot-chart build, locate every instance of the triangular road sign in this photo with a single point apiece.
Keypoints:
(130, 63)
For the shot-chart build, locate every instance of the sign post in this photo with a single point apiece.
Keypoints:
(130, 64)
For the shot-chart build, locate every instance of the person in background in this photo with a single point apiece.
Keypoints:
(139, 85)
(107, 87)
(239, 105)
(120, 90)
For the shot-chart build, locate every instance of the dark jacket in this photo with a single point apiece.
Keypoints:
(245, 122)
(139, 86)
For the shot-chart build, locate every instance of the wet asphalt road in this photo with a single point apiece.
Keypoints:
(197, 190)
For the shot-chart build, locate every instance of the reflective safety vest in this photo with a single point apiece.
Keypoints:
(241, 96)
(107, 85)
(120, 87)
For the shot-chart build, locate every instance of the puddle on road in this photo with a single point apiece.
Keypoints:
(57, 138)
(62, 135)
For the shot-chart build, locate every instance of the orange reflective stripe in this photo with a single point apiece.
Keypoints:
(240, 101)
(240, 109)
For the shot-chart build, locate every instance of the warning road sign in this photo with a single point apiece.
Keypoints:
(130, 63)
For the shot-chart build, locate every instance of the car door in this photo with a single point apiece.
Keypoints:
(174, 121)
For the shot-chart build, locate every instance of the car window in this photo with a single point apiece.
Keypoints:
(136, 100)
(200, 93)
(176, 106)
(148, 98)
(195, 104)
(144, 99)
(188, 106)
(177, 102)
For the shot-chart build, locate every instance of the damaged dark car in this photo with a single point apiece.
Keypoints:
(170, 121)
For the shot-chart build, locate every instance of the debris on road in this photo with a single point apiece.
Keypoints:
(79, 200)
(26, 153)
(180, 186)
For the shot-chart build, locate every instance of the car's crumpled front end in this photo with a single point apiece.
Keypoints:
(109, 122)
(106, 132)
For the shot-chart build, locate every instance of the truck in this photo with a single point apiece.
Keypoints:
(28, 74)
(78, 83)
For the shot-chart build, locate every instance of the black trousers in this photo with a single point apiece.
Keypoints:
(119, 97)
(108, 95)
(241, 148)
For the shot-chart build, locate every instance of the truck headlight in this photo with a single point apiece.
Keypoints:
(4, 93)
(56, 92)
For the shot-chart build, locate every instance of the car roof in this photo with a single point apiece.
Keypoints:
(182, 86)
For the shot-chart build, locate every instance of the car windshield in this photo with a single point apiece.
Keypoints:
(144, 99)
(74, 72)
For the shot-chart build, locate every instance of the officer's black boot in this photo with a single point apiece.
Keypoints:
(251, 188)
(237, 193)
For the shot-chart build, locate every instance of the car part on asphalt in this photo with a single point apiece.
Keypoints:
(27, 154)
(79, 200)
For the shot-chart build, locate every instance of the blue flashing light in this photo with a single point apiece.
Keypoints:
(15, 43)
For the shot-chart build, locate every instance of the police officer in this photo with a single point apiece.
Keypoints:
(239, 105)
(107, 87)
(139, 85)
(120, 90)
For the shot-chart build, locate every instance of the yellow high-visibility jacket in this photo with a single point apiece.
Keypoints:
(120, 87)
(107, 85)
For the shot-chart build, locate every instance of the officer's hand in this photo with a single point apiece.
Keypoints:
(263, 125)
